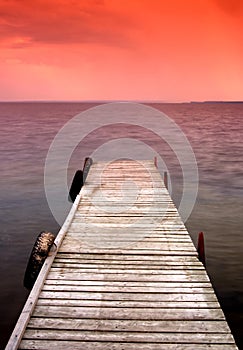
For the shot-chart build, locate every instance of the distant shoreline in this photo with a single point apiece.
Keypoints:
(217, 102)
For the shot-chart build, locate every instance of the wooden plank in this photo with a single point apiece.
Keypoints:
(128, 238)
(198, 274)
(152, 224)
(147, 233)
(134, 337)
(177, 240)
(165, 217)
(118, 250)
(135, 226)
(175, 297)
(123, 172)
(123, 163)
(160, 247)
(123, 277)
(132, 174)
(130, 186)
(128, 200)
(125, 184)
(150, 258)
(129, 209)
(163, 286)
(53, 285)
(151, 286)
(67, 247)
(117, 194)
(160, 197)
(167, 270)
(114, 264)
(86, 230)
(166, 205)
(188, 326)
(77, 345)
(137, 239)
(130, 304)
(146, 263)
(157, 227)
(133, 242)
(97, 191)
(129, 313)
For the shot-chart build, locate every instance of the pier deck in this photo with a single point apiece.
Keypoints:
(125, 275)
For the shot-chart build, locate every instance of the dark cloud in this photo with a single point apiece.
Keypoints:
(62, 21)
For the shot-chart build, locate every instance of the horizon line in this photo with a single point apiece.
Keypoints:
(115, 100)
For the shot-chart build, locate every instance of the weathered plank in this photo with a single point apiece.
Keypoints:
(66, 248)
(179, 297)
(121, 265)
(78, 275)
(175, 326)
(53, 285)
(198, 275)
(77, 345)
(123, 256)
(134, 337)
(129, 304)
(131, 264)
(62, 267)
(137, 246)
(110, 313)
(107, 234)
(128, 236)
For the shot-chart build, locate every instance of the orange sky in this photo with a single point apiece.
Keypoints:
(174, 50)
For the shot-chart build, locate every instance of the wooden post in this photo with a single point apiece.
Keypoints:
(166, 179)
(201, 248)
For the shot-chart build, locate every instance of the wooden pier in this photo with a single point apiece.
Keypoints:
(125, 275)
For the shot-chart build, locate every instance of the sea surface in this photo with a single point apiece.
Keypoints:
(215, 132)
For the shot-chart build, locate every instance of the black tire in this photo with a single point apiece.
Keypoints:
(87, 164)
(37, 258)
(76, 186)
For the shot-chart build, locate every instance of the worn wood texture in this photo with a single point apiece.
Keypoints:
(126, 275)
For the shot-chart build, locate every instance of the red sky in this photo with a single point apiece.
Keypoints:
(174, 50)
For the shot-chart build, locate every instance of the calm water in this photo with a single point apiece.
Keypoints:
(215, 132)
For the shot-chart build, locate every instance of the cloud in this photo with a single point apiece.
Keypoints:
(231, 7)
(25, 22)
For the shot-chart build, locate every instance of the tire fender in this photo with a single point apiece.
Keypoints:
(76, 186)
(37, 257)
